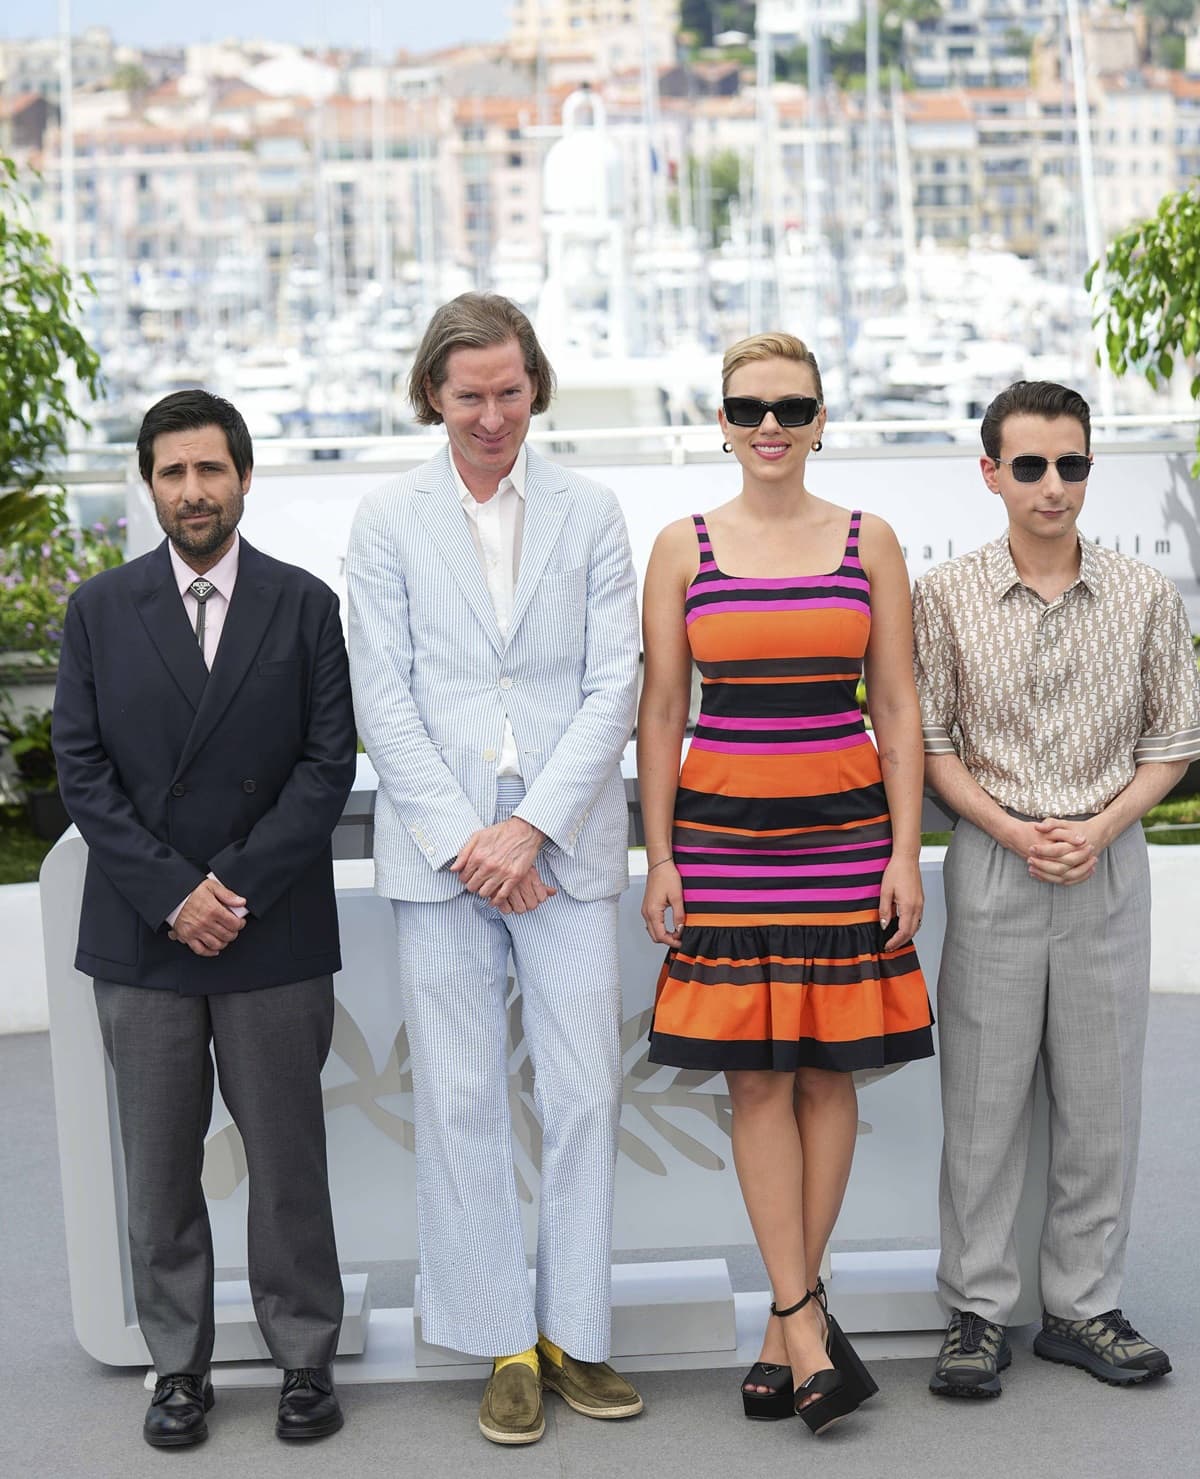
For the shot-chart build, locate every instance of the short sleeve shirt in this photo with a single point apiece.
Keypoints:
(1051, 706)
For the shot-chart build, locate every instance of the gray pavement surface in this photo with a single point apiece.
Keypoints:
(64, 1416)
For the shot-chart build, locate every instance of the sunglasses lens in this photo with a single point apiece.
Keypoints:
(1073, 468)
(744, 410)
(796, 410)
(1029, 469)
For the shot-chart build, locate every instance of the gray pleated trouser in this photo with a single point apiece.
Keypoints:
(1031, 968)
(270, 1046)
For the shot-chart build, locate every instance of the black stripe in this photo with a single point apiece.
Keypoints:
(779, 667)
(780, 736)
(787, 1057)
(792, 842)
(756, 883)
(763, 974)
(772, 813)
(699, 597)
(778, 701)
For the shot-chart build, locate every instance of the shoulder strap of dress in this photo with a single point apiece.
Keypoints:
(703, 540)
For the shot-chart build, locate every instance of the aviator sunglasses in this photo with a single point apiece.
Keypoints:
(793, 410)
(1072, 468)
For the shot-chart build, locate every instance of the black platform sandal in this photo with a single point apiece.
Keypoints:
(771, 1405)
(843, 1355)
(835, 1393)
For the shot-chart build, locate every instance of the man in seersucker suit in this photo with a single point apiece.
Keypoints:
(494, 650)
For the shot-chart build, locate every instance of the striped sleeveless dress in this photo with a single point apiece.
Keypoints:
(781, 837)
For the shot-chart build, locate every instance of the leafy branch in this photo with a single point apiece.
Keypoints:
(1146, 290)
(41, 346)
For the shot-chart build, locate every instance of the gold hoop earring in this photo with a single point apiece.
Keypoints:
(725, 447)
(816, 446)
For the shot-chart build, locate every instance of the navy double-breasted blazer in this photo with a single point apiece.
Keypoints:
(170, 771)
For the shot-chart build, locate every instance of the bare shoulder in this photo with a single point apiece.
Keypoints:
(877, 544)
(676, 551)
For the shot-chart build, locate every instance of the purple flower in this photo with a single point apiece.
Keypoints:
(99, 528)
(122, 522)
(46, 552)
(73, 575)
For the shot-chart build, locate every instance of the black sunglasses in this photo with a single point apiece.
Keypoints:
(793, 410)
(1072, 468)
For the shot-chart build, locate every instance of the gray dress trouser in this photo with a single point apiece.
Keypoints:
(1031, 968)
(270, 1046)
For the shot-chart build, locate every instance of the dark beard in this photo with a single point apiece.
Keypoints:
(200, 543)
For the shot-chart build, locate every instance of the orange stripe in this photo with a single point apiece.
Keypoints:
(775, 776)
(726, 636)
(786, 831)
(787, 1012)
(732, 921)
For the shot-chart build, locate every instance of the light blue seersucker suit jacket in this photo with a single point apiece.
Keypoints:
(433, 679)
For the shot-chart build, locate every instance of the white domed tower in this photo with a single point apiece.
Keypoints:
(584, 301)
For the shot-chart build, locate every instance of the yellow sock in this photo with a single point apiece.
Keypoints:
(526, 1358)
(553, 1353)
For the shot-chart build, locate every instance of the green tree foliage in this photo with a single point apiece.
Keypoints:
(40, 346)
(724, 180)
(1169, 20)
(1147, 293)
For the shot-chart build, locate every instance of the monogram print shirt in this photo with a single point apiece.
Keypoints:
(1052, 705)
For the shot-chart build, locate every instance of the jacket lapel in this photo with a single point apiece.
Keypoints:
(442, 513)
(250, 610)
(547, 503)
(164, 616)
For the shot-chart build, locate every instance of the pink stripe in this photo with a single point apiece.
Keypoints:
(777, 896)
(783, 852)
(796, 747)
(736, 582)
(852, 562)
(770, 608)
(814, 721)
(801, 870)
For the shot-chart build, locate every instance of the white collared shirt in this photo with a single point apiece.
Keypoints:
(496, 525)
(223, 577)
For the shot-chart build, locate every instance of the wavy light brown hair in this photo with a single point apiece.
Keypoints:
(475, 321)
(769, 346)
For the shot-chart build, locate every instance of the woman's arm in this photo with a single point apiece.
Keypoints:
(896, 718)
(662, 719)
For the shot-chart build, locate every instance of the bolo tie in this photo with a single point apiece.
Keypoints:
(201, 589)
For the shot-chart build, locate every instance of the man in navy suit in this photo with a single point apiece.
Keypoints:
(205, 741)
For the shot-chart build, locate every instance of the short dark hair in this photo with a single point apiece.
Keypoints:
(1033, 398)
(475, 321)
(189, 410)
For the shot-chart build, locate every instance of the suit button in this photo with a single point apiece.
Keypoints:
(249, 787)
(178, 789)
(505, 682)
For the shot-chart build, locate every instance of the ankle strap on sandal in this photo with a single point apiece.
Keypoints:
(792, 1308)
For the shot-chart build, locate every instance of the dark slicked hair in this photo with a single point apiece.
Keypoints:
(190, 410)
(1033, 398)
(475, 321)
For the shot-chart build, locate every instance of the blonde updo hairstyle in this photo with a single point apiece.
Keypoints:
(769, 346)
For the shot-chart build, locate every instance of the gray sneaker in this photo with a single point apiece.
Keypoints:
(1107, 1346)
(973, 1354)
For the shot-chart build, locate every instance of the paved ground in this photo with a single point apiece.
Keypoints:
(62, 1415)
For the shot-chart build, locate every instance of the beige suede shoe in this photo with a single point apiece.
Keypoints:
(591, 1387)
(511, 1410)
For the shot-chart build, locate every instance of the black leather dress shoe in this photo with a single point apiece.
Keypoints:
(175, 1416)
(308, 1405)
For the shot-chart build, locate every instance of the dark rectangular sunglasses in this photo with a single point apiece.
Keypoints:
(1072, 468)
(793, 410)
